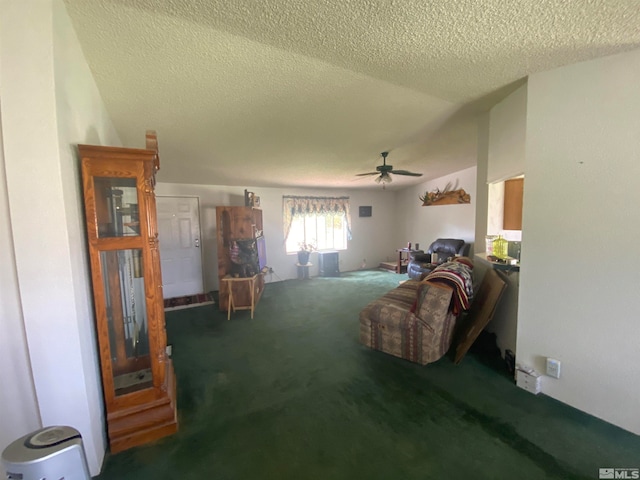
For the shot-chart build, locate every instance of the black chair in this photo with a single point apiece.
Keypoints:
(444, 248)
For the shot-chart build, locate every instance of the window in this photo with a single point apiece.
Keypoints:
(323, 222)
(324, 232)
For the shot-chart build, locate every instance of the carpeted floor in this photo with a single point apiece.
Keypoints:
(293, 395)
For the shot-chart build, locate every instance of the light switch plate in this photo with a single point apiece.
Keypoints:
(553, 367)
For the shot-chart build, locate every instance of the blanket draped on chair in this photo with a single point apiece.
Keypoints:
(456, 274)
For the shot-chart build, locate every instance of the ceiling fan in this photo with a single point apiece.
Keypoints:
(384, 170)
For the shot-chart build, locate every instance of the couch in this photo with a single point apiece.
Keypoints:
(416, 320)
(420, 262)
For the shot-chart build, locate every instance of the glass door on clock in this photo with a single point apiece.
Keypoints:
(116, 207)
(124, 291)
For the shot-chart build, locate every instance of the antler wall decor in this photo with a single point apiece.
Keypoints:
(449, 196)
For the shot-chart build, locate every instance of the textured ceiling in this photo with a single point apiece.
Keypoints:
(309, 92)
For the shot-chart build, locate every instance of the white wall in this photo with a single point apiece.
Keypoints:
(81, 118)
(580, 278)
(495, 211)
(50, 102)
(416, 223)
(372, 236)
(501, 155)
(507, 134)
(18, 407)
(482, 189)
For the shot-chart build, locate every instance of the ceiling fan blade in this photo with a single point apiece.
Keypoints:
(406, 172)
(368, 173)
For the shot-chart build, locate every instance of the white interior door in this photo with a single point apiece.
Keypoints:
(180, 252)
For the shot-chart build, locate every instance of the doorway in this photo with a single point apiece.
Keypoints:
(180, 252)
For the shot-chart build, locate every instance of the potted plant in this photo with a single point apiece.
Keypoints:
(304, 252)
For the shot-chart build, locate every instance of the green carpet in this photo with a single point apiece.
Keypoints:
(292, 394)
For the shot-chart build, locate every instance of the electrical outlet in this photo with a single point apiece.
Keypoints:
(553, 367)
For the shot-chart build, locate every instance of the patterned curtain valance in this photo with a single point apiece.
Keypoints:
(300, 206)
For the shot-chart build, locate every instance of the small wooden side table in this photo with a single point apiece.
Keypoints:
(232, 281)
(404, 255)
(303, 270)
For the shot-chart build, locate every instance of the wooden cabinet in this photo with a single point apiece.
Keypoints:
(241, 254)
(137, 375)
(513, 193)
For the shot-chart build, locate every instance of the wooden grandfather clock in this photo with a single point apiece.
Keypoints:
(137, 374)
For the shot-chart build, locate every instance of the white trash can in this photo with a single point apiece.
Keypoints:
(52, 452)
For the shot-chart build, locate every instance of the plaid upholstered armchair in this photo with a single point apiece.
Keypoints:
(421, 263)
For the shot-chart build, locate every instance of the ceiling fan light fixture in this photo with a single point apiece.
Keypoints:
(384, 178)
(385, 170)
